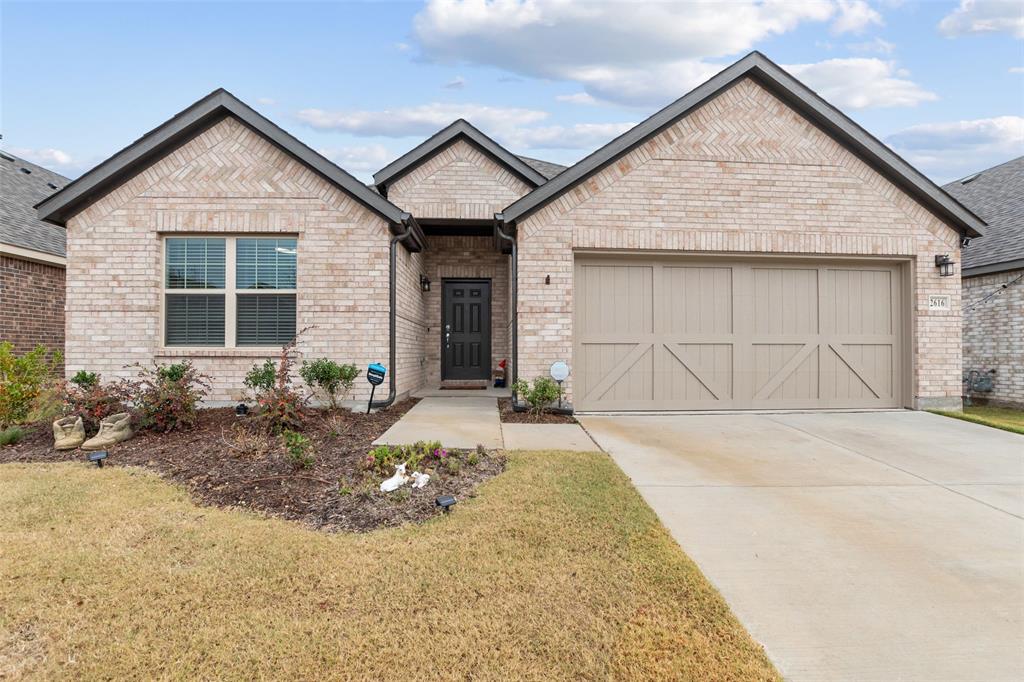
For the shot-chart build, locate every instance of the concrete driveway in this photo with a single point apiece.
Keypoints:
(853, 546)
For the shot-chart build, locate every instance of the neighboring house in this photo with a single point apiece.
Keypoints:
(746, 247)
(31, 258)
(993, 280)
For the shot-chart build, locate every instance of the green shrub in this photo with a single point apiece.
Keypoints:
(330, 378)
(49, 403)
(299, 449)
(84, 379)
(21, 379)
(261, 377)
(168, 397)
(11, 435)
(540, 395)
(382, 459)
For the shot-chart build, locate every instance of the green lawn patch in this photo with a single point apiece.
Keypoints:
(996, 417)
(556, 570)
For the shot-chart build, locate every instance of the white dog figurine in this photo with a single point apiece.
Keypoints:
(397, 481)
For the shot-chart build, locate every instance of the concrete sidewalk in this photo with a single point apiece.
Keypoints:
(465, 422)
(872, 546)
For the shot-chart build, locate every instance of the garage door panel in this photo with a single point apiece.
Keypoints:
(687, 334)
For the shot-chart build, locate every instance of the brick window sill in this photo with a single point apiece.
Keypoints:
(185, 352)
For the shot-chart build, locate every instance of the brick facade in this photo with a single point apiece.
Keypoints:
(744, 173)
(229, 180)
(994, 333)
(458, 182)
(31, 304)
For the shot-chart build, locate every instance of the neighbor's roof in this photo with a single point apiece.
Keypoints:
(755, 65)
(157, 142)
(997, 195)
(22, 186)
(460, 129)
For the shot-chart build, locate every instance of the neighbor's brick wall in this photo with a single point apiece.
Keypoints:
(994, 333)
(743, 173)
(458, 182)
(470, 258)
(227, 179)
(31, 304)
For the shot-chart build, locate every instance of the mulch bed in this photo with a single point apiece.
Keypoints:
(226, 461)
(510, 416)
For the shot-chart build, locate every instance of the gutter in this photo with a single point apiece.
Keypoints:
(409, 223)
(499, 224)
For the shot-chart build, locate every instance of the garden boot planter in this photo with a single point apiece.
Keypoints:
(68, 433)
(113, 429)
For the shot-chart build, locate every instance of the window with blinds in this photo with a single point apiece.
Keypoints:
(229, 291)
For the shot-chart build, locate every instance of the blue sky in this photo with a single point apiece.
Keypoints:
(941, 82)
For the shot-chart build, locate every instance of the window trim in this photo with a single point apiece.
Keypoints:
(229, 291)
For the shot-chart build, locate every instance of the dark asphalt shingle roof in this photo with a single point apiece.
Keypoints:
(997, 196)
(545, 168)
(19, 193)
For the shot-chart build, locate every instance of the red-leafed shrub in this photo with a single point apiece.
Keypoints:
(168, 396)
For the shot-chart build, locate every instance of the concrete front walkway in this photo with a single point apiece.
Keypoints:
(464, 422)
(871, 546)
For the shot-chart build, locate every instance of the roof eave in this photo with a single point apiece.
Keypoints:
(71, 199)
(992, 268)
(798, 95)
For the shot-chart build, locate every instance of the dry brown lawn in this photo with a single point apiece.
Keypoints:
(557, 570)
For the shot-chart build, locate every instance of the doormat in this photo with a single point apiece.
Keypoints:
(463, 387)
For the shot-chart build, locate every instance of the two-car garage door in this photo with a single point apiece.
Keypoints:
(662, 334)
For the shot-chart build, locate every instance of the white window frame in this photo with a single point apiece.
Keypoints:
(229, 291)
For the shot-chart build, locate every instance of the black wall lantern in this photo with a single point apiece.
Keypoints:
(424, 283)
(945, 265)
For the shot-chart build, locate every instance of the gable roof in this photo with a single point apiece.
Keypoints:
(22, 186)
(997, 195)
(797, 95)
(546, 168)
(151, 146)
(460, 129)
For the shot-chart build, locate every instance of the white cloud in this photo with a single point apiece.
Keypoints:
(579, 136)
(457, 83)
(424, 119)
(855, 16)
(951, 150)
(985, 16)
(606, 46)
(577, 98)
(860, 83)
(360, 158)
(647, 54)
(878, 46)
(46, 157)
(1017, 69)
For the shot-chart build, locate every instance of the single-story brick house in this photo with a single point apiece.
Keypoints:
(32, 258)
(748, 246)
(993, 281)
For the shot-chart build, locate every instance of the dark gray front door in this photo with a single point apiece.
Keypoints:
(466, 329)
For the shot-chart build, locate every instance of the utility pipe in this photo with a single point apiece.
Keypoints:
(407, 222)
(499, 223)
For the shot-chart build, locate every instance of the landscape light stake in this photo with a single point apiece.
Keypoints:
(98, 457)
(445, 502)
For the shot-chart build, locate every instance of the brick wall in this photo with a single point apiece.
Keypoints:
(458, 182)
(994, 333)
(229, 180)
(470, 258)
(31, 304)
(744, 173)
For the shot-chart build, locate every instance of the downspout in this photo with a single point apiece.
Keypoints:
(499, 224)
(407, 222)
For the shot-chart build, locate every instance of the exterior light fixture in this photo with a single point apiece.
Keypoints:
(98, 457)
(945, 265)
(424, 283)
(241, 409)
(445, 502)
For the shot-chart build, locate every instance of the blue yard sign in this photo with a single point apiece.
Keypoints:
(375, 375)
